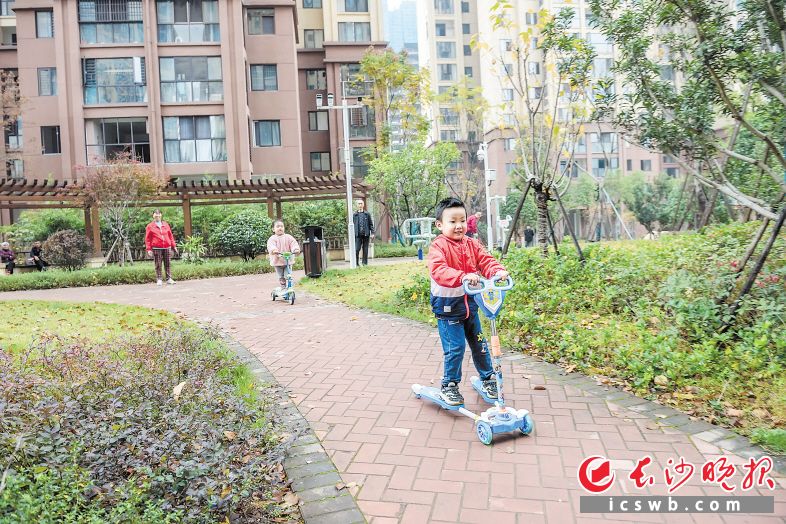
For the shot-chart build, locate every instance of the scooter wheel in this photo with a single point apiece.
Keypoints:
(273, 294)
(483, 429)
(527, 425)
(292, 298)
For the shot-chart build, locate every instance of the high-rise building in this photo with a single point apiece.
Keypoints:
(218, 88)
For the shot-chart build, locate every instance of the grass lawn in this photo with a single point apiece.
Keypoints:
(127, 414)
(642, 315)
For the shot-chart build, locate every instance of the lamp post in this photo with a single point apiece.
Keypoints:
(488, 176)
(344, 107)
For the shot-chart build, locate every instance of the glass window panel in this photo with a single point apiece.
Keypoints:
(167, 69)
(204, 150)
(171, 127)
(217, 128)
(203, 127)
(219, 149)
(198, 68)
(214, 68)
(120, 33)
(139, 130)
(168, 92)
(110, 132)
(165, 12)
(171, 151)
(210, 12)
(216, 91)
(188, 151)
(187, 131)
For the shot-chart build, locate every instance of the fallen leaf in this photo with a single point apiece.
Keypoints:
(290, 499)
(178, 389)
(539, 387)
(348, 485)
(230, 435)
(736, 413)
(661, 380)
(353, 319)
(226, 492)
(761, 413)
(570, 368)
(308, 373)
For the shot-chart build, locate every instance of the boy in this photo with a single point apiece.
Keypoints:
(453, 259)
(278, 243)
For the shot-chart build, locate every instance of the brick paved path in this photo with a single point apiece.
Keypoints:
(349, 371)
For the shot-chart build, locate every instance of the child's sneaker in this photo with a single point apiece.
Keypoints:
(489, 387)
(282, 282)
(159, 282)
(451, 394)
(170, 281)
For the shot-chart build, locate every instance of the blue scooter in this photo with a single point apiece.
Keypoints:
(287, 292)
(499, 418)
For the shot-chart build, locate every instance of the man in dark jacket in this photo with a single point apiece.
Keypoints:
(364, 231)
(529, 237)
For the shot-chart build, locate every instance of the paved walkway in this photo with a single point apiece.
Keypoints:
(349, 373)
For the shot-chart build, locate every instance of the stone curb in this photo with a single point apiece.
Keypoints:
(309, 468)
(727, 440)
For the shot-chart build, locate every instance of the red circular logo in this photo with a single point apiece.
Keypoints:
(591, 479)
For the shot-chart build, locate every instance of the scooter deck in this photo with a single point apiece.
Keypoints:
(477, 384)
(433, 395)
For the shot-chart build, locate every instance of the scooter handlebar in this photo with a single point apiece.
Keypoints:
(487, 283)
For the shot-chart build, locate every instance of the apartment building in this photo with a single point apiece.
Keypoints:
(218, 88)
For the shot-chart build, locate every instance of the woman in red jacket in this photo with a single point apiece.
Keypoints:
(158, 241)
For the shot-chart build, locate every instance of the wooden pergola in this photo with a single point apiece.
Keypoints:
(34, 194)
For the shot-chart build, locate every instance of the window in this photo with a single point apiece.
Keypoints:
(13, 135)
(533, 42)
(600, 165)
(110, 21)
(47, 81)
(312, 38)
(667, 72)
(316, 79)
(267, 133)
(581, 143)
(672, 172)
(563, 114)
(509, 119)
(601, 67)
(505, 45)
(446, 50)
(600, 43)
(507, 69)
(444, 29)
(535, 93)
(358, 162)
(50, 140)
(533, 68)
(312, 4)
(606, 144)
(15, 168)
(318, 121)
(465, 7)
(114, 80)
(361, 122)
(629, 165)
(320, 161)
(668, 159)
(467, 50)
(264, 77)
(191, 79)
(507, 95)
(465, 29)
(194, 139)
(443, 7)
(468, 72)
(447, 72)
(106, 138)
(261, 21)
(44, 24)
(7, 8)
(510, 168)
(448, 117)
(188, 21)
(356, 6)
(531, 18)
(448, 135)
(509, 144)
(354, 31)
(646, 165)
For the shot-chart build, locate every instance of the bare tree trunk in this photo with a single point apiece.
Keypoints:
(705, 217)
(541, 205)
(553, 234)
(756, 269)
(570, 228)
(516, 216)
(752, 247)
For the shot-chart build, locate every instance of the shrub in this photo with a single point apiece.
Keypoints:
(192, 250)
(245, 233)
(38, 225)
(331, 215)
(68, 249)
(150, 430)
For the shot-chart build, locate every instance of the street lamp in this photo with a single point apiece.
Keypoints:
(489, 175)
(348, 165)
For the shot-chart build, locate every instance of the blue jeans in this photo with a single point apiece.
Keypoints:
(453, 333)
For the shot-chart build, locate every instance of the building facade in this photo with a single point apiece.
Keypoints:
(223, 89)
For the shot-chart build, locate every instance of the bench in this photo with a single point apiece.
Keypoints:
(23, 262)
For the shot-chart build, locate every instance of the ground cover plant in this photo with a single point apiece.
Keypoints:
(646, 316)
(138, 273)
(161, 424)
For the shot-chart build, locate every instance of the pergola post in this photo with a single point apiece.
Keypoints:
(186, 216)
(95, 231)
(279, 213)
(270, 211)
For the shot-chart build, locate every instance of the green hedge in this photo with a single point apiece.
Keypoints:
(385, 250)
(139, 273)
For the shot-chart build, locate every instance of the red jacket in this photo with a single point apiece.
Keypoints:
(449, 261)
(159, 237)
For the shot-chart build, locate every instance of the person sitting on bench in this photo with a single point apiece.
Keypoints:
(7, 257)
(37, 256)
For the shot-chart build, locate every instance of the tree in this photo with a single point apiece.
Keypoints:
(68, 249)
(11, 101)
(244, 233)
(410, 182)
(705, 83)
(120, 187)
(545, 138)
(397, 88)
(331, 215)
(467, 104)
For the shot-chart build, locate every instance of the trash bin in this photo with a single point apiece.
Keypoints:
(314, 253)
